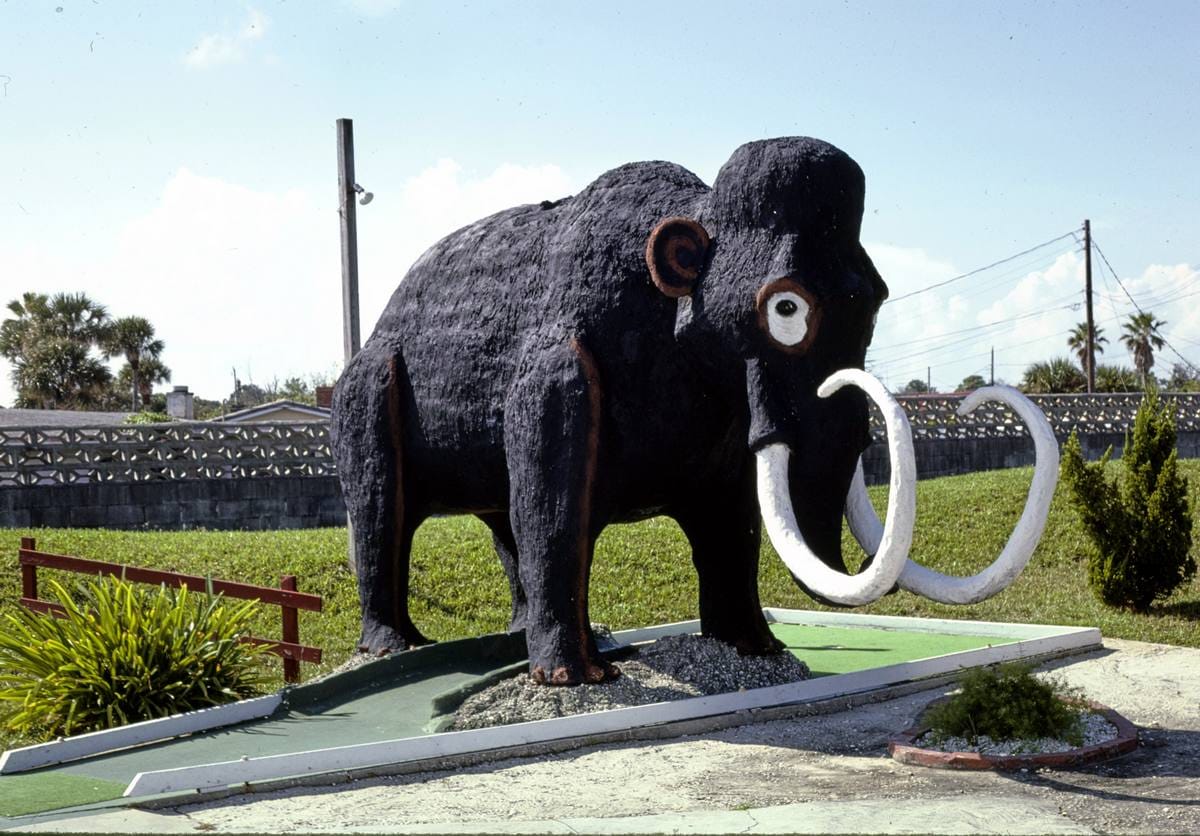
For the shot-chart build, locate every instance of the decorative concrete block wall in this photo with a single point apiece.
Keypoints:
(949, 457)
(248, 504)
(266, 476)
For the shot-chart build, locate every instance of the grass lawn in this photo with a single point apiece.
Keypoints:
(642, 573)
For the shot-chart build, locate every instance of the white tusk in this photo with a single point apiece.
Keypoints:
(774, 498)
(860, 514)
(1004, 570)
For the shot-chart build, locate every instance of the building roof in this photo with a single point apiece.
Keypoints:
(264, 411)
(59, 418)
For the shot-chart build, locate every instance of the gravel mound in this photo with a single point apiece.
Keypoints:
(672, 668)
(1096, 729)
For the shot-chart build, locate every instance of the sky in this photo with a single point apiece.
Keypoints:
(177, 160)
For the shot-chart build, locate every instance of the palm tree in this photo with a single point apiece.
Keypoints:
(151, 371)
(1056, 375)
(133, 337)
(48, 340)
(1142, 338)
(74, 316)
(1116, 379)
(1078, 343)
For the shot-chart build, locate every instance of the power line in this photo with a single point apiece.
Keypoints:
(934, 350)
(978, 270)
(913, 369)
(1121, 285)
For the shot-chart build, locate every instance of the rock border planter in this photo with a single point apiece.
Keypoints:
(903, 748)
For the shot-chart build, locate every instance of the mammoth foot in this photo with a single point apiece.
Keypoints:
(752, 641)
(591, 674)
(381, 640)
(758, 647)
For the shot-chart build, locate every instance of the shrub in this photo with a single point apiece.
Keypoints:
(1058, 374)
(148, 418)
(1007, 703)
(1141, 526)
(122, 654)
(1117, 379)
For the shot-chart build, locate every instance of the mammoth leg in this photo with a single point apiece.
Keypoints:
(551, 436)
(506, 550)
(369, 440)
(724, 532)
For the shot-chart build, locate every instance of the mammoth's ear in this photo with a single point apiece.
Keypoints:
(675, 253)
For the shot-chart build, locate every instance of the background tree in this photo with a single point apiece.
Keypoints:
(1141, 336)
(1117, 379)
(971, 381)
(1077, 342)
(133, 338)
(246, 395)
(1183, 378)
(49, 341)
(916, 387)
(1057, 375)
(299, 389)
(151, 372)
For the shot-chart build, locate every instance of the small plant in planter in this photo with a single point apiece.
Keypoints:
(1007, 702)
(120, 655)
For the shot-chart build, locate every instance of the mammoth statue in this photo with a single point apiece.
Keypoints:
(648, 346)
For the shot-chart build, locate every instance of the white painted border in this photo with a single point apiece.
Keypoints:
(1014, 631)
(216, 775)
(109, 740)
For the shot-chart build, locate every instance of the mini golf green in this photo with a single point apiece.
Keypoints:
(393, 698)
(833, 650)
(41, 791)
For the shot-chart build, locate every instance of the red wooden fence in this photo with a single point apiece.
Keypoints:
(286, 597)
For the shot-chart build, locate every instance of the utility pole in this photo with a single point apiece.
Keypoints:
(992, 380)
(351, 340)
(1091, 324)
(928, 379)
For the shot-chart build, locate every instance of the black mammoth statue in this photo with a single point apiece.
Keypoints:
(648, 346)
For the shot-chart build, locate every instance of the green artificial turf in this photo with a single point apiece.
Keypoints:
(37, 792)
(832, 650)
(642, 573)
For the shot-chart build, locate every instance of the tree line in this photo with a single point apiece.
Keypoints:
(58, 345)
(1140, 335)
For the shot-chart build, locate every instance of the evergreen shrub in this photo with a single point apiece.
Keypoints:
(1140, 525)
(120, 655)
(1007, 702)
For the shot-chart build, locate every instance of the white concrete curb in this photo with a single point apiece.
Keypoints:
(135, 734)
(216, 775)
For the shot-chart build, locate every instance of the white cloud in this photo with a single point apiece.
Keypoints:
(396, 228)
(228, 47)
(1025, 317)
(231, 276)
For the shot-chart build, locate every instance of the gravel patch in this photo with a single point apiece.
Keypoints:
(1096, 730)
(672, 668)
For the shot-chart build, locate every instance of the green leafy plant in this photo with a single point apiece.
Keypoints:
(122, 654)
(148, 418)
(1007, 702)
(1141, 526)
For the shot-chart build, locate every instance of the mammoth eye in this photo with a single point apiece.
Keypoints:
(787, 317)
